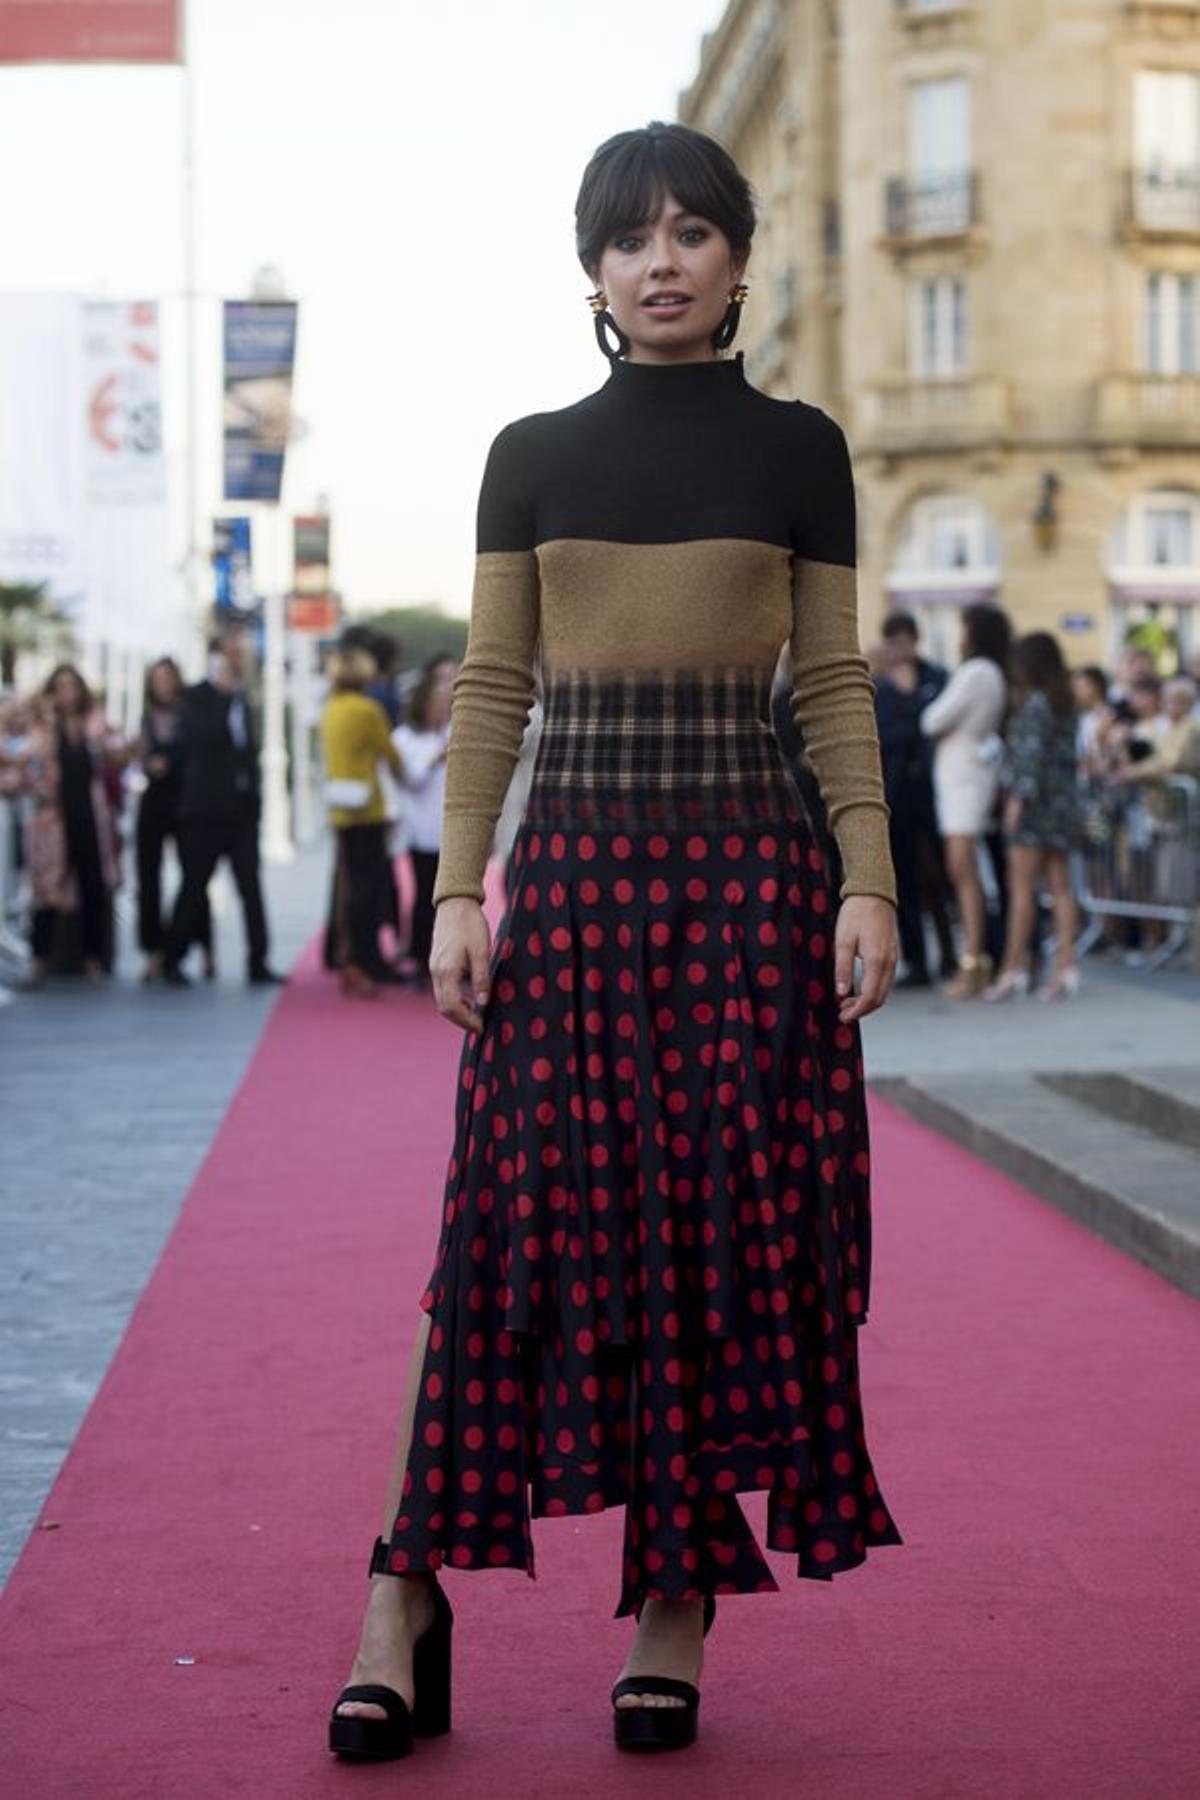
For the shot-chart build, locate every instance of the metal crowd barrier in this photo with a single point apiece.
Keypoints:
(1140, 859)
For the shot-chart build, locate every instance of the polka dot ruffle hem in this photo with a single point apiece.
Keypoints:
(655, 1246)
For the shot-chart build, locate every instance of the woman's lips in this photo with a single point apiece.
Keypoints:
(667, 309)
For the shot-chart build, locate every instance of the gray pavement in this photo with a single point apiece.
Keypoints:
(109, 1099)
(1093, 1103)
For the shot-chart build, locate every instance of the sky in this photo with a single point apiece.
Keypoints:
(411, 171)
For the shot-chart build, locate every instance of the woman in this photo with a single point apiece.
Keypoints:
(964, 721)
(422, 740)
(654, 1256)
(159, 748)
(72, 840)
(354, 741)
(1042, 815)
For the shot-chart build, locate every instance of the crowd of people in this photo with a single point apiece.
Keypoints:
(1008, 777)
(384, 757)
(87, 810)
(1005, 778)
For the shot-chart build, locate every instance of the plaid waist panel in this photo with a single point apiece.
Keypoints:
(675, 748)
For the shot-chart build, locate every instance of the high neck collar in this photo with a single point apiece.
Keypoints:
(659, 383)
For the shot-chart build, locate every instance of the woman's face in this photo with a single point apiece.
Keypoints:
(685, 261)
(164, 685)
(1086, 693)
(67, 693)
(441, 688)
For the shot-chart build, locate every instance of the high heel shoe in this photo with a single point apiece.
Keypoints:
(1061, 987)
(974, 974)
(659, 1727)
(1013, 984)
(381, 1740)
(355, 981)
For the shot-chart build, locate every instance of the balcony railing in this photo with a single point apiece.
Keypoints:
(960, 413)
(1165, 200)
(1148, 409)
(931, 206)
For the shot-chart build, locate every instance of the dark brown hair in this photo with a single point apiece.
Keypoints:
(1038, 668)
(628, 177)
(988, 633)
(418, 698)
(87, 700)
(162, 662)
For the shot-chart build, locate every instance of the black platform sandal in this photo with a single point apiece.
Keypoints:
(382, 1740)
(659, 1727)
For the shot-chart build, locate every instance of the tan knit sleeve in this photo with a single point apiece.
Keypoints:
(494, 688)
(492, 697)
(833, 698)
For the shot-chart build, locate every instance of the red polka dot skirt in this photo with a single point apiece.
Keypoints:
(655, 1247)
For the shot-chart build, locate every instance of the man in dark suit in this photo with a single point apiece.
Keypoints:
(219, 807)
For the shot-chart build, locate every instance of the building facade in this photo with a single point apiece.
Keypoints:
(980, 250)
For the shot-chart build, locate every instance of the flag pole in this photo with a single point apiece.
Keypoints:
(191, 454)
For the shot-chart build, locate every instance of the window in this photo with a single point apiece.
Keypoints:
(1158, 531)
(938, 328)
(948, 534)
(939, 130)
(1167, 122)
(1171, 324)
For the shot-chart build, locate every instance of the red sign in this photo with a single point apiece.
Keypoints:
(133, 31)
(317, 612)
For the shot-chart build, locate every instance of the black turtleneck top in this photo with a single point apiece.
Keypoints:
(676, 520)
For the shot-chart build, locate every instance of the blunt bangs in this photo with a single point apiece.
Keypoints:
(628, 178)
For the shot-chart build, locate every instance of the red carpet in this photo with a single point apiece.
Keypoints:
(1030, 1403)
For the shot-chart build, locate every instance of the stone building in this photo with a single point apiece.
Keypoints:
(980, 250)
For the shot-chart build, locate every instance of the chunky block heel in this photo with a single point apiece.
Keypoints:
(431, 1673)
(659, 1727)
(384, 1740)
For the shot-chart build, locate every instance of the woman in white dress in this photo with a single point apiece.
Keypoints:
(964, 722)
(423, 742)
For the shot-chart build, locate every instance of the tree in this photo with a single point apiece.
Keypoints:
(23, 606)
(424, 631)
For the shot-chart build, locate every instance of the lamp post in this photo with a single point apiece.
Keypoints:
(276, 839)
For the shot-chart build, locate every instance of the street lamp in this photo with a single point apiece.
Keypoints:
(1045, 518)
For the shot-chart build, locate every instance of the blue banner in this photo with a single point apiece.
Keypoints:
(260, 352)
(233, 578)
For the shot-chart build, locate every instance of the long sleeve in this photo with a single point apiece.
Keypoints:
(833, 697)
(956, 702)
(494, 688)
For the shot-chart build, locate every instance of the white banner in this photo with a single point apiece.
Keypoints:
(125, 463)
(83, 491)
(43, 529)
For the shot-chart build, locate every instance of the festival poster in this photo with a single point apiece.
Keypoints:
(260, 351)
(232, 563)
(123, 440)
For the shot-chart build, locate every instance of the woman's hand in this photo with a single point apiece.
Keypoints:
(1012, 813)
(458, 960)
(866, 929)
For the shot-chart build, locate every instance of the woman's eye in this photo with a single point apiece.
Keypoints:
(695, 232)
(627, 244)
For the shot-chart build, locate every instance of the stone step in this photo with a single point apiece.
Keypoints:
(1137, 1190)
(1165, 1102)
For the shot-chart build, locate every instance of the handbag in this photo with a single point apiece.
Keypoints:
(348, 792)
